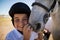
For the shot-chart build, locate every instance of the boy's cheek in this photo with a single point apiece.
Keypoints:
(25, 23)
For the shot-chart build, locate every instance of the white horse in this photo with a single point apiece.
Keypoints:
(40, 13)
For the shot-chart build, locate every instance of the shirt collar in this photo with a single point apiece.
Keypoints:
(18, 34)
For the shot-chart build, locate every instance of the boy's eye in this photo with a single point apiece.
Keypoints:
(16, 20)
(25, 19)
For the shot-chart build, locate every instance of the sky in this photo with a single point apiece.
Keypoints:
(6, 4)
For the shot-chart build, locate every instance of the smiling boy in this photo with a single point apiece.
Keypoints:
(20, 13)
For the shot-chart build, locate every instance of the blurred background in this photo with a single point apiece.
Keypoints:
(5, 20)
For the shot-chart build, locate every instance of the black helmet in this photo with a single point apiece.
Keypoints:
(19, 8)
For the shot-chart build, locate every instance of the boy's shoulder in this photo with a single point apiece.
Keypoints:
(10, 34)
(14, 34)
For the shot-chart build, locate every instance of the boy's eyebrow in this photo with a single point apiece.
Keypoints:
(15, 17)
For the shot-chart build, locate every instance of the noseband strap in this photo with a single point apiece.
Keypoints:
(41, 5)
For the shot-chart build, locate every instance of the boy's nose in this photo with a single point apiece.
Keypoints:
(21, 24)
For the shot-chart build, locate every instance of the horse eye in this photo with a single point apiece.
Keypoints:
(45, 18)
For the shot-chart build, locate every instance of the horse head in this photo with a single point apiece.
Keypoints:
(40, 13)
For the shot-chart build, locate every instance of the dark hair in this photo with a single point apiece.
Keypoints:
(19, 8)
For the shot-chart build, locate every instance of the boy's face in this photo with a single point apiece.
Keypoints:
(20, 20)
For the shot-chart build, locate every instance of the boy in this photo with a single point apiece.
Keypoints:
(20, 13)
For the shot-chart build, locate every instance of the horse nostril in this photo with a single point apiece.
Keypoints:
(38, 26)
